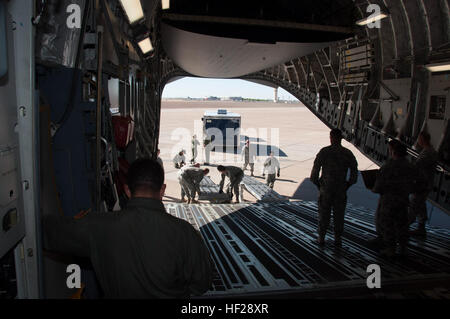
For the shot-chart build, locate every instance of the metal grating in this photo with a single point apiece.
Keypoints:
(267, 248)
(260, 191)
(210, 191)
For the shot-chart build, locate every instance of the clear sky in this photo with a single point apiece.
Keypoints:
(202, 87)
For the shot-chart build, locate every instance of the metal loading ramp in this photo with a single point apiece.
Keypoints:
(210, 191)
(269, 249)
(260, 191)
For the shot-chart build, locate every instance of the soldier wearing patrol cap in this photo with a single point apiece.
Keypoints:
(335, 161)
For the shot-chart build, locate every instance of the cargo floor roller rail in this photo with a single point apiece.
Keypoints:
(269, 249)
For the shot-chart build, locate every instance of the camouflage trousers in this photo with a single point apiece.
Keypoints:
(391, 220)
(418, 208)
(252, 167)
(270, 181)
(194, 154)
(329, 200)
(187, 188)
(233, 188)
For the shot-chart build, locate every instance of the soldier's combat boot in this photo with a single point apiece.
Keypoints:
(388, 252)
(419, 232)
(321, 240)
(403, 251)
(375, 243)
(338, 242)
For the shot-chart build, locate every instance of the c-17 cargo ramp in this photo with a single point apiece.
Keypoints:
(262, 193)
(210, 191)
(270, 249)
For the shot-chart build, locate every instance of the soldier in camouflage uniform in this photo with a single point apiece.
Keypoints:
(235, 174)
(190, 178)
(248, 154)
(335, 161)
(425, 164)
(396, 179)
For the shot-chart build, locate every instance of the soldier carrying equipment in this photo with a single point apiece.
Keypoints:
(190, 178)
(235, 175)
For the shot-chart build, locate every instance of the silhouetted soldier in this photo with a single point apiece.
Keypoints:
(396, 179)
(426, 164)
(235, 175)
(141, 251)
(335, 161)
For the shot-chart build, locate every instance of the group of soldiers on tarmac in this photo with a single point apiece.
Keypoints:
(396, 180)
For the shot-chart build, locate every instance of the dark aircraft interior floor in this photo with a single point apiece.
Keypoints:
(269, 249)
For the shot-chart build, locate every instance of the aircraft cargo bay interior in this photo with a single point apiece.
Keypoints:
(137, 161)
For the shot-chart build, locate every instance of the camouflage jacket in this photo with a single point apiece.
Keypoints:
(233, 173)
(396, 179)
(426, 164)
(335, 161)
(192, 174)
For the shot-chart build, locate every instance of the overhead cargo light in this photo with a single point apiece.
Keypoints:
(133, 9)
(438, 67)
(165, 4)
(145, 45)
(371, 19)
